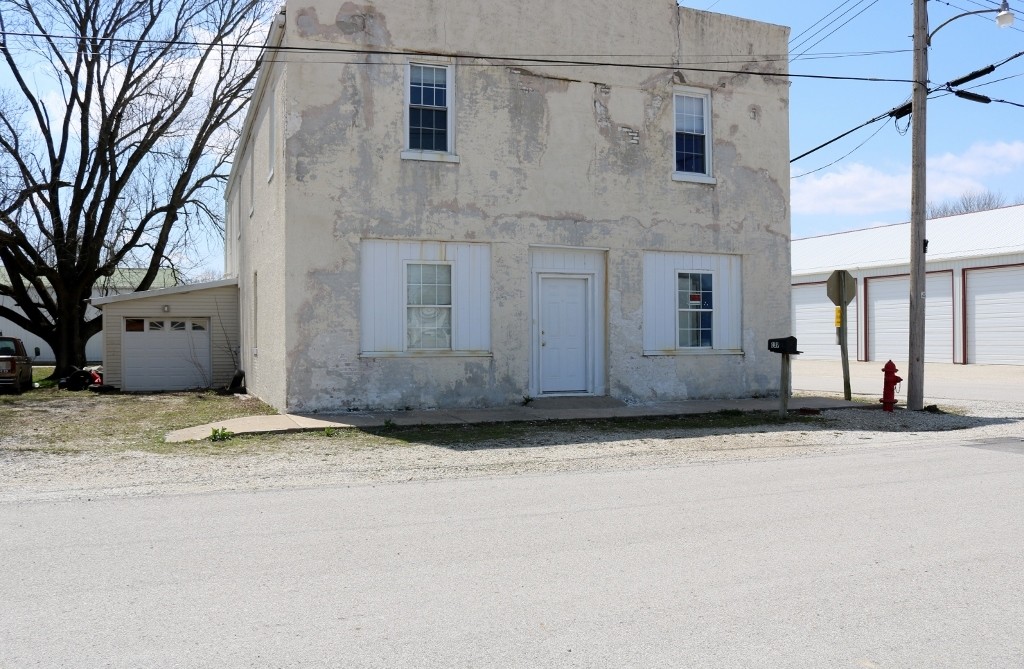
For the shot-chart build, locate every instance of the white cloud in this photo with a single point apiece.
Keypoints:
(855, 189)
(862, 190)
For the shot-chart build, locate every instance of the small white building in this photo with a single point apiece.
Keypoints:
(974, 287)
(175, 338)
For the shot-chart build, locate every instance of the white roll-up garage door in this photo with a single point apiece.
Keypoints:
(165, 353)
(888, 303)
(814, 323)
(995, 316)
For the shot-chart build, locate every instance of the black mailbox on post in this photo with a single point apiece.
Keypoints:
(785, 345)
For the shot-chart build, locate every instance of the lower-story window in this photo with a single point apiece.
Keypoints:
(424, 298)
(693, 303)
(428, 312)
(696, 313)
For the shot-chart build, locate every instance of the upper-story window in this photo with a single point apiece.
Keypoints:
(429, 120)
(693, 138)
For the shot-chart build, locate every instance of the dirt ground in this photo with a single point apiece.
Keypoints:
(55, 445)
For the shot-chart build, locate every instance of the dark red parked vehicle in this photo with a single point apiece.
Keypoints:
(15, 365)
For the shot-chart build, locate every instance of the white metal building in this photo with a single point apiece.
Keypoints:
(974, 304)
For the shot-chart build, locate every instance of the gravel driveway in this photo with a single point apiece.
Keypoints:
(30, 473)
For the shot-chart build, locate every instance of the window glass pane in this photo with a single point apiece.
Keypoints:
(134, 324)
(429, 327)
(429, 272)
(199, 325)
(690, 156)
(692, 117)
(444, 274)
(178, 325)
(156, 326)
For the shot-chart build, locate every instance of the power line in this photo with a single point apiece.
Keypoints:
(977, 4)
(839, 27)
(805, 30)
(843, 157)
(508, 59)
(907, 108)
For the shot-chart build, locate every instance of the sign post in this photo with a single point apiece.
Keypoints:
(842, 288)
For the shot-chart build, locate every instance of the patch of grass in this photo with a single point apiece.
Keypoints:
(41, 375)
(456, 435)
(48, 417)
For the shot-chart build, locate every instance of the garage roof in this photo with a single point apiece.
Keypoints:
(986, 233)
(162, 292)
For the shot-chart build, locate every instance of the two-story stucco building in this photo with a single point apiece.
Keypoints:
(451, 203)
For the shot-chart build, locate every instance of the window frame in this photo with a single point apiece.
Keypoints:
(450, 306)
(680, 310)
(271, 135)
(409, 153)
(704, 95)
(252, 183)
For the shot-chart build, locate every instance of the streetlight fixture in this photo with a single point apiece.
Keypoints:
(918, 197)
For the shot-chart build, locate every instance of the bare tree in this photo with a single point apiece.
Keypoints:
(115, 141)
(967, 203)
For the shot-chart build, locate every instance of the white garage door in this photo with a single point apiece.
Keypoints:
(165, 353)
(814, 323)
(995, 316)
(889, 315)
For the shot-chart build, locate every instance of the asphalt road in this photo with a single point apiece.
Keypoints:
(908, 557)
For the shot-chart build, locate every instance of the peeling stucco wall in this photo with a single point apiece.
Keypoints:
(549, 155)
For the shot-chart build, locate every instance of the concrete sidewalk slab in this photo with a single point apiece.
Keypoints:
(942, 381)
(545, 409)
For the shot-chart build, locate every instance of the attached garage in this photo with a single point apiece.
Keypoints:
(171, 339)
(165, 353)
(814, 323)
(888, 317)
(995, 315)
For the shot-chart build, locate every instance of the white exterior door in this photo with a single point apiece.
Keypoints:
(165, 354)
(995, 316)
(814, 323)
(563, 335)
(889, 318)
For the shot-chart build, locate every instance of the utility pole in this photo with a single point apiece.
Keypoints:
(918, 199)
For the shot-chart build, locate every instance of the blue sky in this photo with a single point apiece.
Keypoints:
(971, 146)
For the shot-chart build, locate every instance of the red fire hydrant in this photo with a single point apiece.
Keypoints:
(889, 386)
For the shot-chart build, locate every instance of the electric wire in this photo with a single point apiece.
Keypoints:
(506, 59)
(842, 25)
(794, 38)
(977, 4)
(906, 108)
(845, 156)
